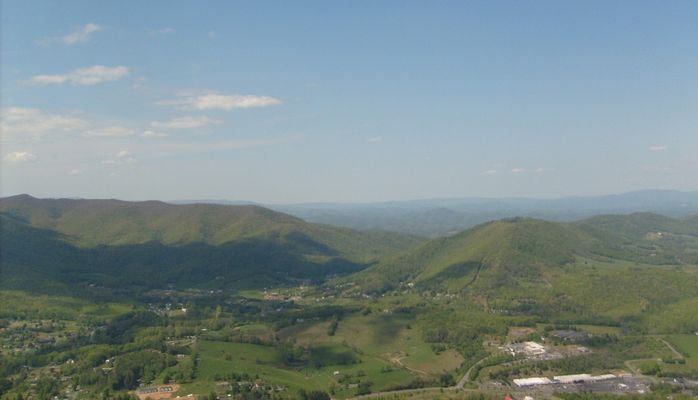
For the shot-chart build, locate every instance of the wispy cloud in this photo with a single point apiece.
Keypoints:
(80, 35)
(518, 170)
(184, 123)
(376, 139)
(113, 131)
(74, 171)
(121, 157)
(83, 76)
(150, 134)
(32, 123)
(658, 147)
(19, 157)
(489, 172)
(215, 101)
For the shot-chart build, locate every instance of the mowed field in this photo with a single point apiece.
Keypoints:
(391, 339)
(221, 358)
(217, 359)
(688, 346)
(384, 349)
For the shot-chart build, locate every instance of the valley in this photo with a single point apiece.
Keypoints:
(218, 301)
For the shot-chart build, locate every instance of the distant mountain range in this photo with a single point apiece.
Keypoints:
(436, 217)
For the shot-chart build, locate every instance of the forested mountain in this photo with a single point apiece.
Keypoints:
(637, 270)
(514, 250)
(153, 244)
(88, 223)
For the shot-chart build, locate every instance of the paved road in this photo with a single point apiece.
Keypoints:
(466, 377)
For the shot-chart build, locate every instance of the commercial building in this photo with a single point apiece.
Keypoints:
(526, 382)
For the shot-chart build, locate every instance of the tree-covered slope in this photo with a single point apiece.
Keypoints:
(570, 273)
(89, 223)
(61, 243)
(639, 225)
(645, 237)
(512, 251)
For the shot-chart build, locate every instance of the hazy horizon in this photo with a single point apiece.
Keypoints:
(359, 203)
(306, 102)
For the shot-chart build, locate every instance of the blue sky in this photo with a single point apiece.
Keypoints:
(347, 101)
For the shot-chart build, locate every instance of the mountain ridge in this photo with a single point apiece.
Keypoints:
(513, 250)
(443, 216)
(91, 223)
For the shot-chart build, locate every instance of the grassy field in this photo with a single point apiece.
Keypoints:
(389, 338)
(265, 363)
(687, 345)
(384, 349)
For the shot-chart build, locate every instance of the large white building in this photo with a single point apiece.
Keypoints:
(573, 378)
(524, 382)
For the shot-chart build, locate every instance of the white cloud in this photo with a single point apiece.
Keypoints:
(74, 171)
(376, 139)
(184, 123)
(81, 35)
(84, 76)
(215, 101)
(122, 154)
(19, 157)
(518, 170)
(32, 123)
(21, 124)
(50, 79)
(658, 147)
(148, 134)
(212, 34)
(109, 131)
(489, 172)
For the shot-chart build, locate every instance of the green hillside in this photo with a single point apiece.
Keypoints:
(511, 249)
(639, 225)
(568, 272)
(89, 223)
(645, 237)
(143, 245)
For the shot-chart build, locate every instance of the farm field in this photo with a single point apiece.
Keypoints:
(394, 339)
(265, 363)
(687, 345)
